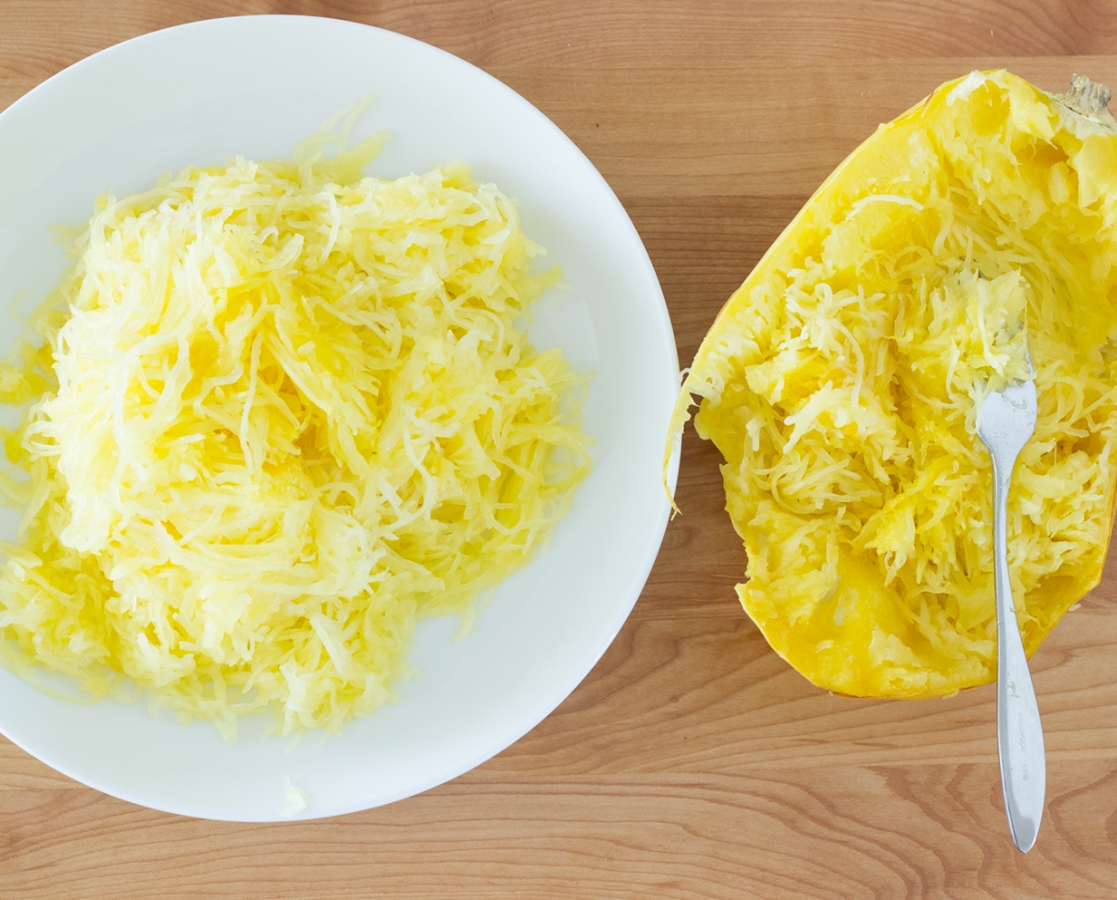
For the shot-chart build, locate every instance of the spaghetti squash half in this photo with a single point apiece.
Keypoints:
(841, 383)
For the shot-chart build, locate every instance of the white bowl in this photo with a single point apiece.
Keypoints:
(254, 86)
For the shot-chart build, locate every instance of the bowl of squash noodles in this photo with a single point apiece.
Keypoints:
(322, 487)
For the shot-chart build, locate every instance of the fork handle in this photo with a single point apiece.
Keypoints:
(1019, 733)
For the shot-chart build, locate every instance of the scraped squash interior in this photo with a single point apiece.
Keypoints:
(842, 383)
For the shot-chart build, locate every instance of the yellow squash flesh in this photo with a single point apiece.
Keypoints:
(282, 412)
(841, 381)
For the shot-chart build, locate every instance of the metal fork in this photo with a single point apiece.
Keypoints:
(1005, 422)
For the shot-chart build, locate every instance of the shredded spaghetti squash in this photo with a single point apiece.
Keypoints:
(282, 411)
(842, 384)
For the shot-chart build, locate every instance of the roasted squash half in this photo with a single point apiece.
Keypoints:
(842, 383)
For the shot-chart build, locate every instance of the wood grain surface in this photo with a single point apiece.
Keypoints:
(692, 762)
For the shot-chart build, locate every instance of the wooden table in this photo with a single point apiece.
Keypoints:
(692, 762)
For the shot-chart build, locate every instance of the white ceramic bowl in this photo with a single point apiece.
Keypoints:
(254, 86)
